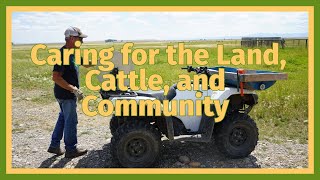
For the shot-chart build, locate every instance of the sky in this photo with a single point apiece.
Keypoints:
(49, 27)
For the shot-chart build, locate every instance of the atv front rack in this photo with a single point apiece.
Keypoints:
(117, 93)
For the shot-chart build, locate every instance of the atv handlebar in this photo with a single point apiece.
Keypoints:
(198, 70)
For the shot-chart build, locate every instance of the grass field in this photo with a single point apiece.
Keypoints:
(282, 111)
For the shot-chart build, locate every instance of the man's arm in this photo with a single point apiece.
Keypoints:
(87, 66)
(57, 78)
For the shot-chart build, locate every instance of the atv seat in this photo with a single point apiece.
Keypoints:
(160, 94)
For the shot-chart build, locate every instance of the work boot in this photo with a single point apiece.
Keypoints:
(58, 151)
(76, 153)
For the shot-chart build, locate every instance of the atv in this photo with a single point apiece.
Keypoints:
(136, 140)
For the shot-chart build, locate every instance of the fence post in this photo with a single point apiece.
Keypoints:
(306, 43)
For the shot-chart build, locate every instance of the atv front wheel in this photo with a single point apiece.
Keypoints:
(236, 136)
(114, 124)
(136, 145)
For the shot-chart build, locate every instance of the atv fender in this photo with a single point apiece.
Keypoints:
(227, 93)
(137, 98)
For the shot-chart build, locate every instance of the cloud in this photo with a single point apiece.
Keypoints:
(35, 27)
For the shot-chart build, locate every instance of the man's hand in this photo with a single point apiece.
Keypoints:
(78, 93)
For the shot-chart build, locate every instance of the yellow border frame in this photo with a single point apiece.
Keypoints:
(10, 170)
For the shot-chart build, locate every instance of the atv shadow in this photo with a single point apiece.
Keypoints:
(205, 153)
(97, 159)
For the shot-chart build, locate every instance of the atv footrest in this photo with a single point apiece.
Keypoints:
(192, 138)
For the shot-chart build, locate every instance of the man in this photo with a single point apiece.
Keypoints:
(66, 91)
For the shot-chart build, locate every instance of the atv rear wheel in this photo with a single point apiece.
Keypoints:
(136, 145)
(236, 136)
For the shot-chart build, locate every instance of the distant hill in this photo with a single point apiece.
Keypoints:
(284, 35)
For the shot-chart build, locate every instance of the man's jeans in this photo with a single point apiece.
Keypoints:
(66, 125)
